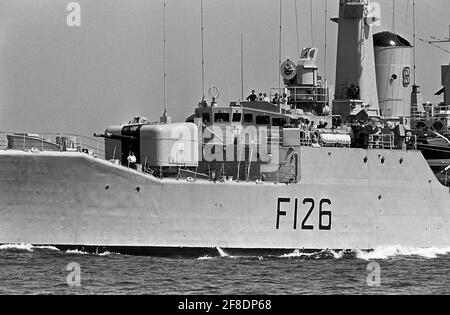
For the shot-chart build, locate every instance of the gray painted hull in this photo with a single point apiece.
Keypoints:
(60, 198)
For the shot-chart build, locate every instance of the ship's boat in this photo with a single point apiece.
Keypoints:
(295, 172)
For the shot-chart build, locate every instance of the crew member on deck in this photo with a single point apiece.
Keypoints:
(266, 99)
(284, 102)
(252, 97)
(132, 160)
(322, 124)
(276, 99)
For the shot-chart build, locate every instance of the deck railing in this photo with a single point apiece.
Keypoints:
(52, 142)
(387, 142)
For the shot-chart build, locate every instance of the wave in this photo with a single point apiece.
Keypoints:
(389, 252)
(222, 253)
(380, 253)
(76, 252)
(315, 255)
(46, 247)
(32, 248)
(26, 247)
(108, 253)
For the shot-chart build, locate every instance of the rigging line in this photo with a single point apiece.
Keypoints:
(422, 25)
(432, 44)
(203, 59)
(312, 23)
(296, 23)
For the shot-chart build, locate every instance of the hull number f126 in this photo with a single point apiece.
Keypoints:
(306, 221)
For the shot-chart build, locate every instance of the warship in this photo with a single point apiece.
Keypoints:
(293, 171)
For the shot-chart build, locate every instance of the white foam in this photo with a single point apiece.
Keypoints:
(45, 247)
(297, 254)
(222, 253)
(337, 255)
(27, 247)
(108, 253)
(206, 257)
(76, 252)
(395, 251)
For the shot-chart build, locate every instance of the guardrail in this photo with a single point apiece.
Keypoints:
(52, 142)
(387, 141)
(296, 94)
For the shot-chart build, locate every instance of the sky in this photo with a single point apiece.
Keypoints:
(56, 78)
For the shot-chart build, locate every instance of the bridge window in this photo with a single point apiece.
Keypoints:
(278, 122)
(237, 117)
(222, 117)
(263, 120)
(248, 118)
(206, 118)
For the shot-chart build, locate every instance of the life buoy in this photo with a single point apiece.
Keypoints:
(315, 136)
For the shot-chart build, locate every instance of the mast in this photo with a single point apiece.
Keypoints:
(312, 22)
(165, 73)
(355, 84)
(203, 57)
(414, 42)
(166, 119)
(297, 30)
(326, 44)
(242, 67)
(279, 64)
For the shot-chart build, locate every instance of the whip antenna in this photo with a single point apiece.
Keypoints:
(296, 23)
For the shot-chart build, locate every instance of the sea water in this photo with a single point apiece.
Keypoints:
(26, 269)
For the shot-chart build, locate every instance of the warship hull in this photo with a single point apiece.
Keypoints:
(344, 199)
